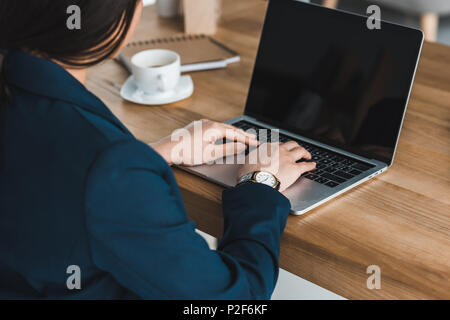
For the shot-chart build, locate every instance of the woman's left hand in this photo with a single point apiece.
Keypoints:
(201, 142)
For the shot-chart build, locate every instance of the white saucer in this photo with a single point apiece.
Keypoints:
(183, 90)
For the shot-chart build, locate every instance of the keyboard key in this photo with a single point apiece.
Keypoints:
(311, 176)
(347, 162)
(321, 180)
(320, 166)
(332, 177)
(337, 159)
(304, 144)
(325, 161)
(329, 169)
(343, 174)
(332, 184)
(318, 152)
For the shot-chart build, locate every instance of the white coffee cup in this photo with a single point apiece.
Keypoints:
(156, 71)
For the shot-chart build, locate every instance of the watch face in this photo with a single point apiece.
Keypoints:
(266, 178)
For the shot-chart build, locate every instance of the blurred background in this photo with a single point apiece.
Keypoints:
(432, 16)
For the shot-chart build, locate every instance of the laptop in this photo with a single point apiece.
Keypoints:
(338, 88)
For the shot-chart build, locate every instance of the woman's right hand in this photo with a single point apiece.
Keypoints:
(281, 161)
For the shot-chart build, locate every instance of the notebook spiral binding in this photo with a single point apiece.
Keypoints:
(167, 40)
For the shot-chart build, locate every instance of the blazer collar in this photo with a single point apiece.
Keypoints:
(46, 78)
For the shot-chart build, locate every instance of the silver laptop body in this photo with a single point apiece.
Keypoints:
(307, 193)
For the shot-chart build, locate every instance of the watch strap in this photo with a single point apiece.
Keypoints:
(251, 178)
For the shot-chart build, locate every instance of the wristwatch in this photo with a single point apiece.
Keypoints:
(261, 177)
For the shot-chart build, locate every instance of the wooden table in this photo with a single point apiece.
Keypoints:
(399, 221)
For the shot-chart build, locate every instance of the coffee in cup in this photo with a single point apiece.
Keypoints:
(156, 71)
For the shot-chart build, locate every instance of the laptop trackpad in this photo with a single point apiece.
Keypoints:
(301, 194)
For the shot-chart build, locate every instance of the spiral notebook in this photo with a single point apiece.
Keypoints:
(197, 52)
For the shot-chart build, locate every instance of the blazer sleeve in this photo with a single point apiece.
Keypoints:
(139, 232)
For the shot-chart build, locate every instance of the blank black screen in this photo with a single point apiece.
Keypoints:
(323, 74)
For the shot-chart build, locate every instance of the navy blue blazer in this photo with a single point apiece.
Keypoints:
(77, 188)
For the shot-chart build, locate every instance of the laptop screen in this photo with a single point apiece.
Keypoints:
(325, 75)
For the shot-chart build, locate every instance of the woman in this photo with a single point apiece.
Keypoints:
(79, 192)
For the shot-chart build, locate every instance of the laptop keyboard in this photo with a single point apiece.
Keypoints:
(332, 168)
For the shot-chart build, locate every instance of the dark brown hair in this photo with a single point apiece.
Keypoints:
(40, 27)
